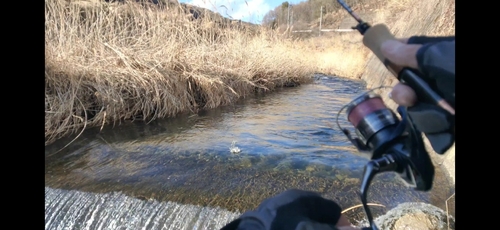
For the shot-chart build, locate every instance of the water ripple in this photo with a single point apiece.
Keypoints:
(287, 139)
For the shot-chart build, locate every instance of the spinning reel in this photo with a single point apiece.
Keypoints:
(395, 144)
(392, 144)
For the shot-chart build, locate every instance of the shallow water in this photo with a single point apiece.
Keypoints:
(287, 139)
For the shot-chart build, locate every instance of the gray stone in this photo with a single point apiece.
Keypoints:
(415, 216)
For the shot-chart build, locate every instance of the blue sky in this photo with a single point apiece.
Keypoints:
(247, 10)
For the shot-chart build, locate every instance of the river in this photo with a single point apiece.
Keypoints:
(179, 173)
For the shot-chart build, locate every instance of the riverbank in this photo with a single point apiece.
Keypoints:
(106, 63)
(133, 62)
(104, 68)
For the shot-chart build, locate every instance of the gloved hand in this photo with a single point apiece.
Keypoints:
(434, 58)
(292, 210)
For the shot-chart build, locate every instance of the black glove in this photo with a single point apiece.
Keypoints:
(436, 123)
(291, 210)
(436, 61)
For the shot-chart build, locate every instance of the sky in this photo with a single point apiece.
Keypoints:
(246, 10)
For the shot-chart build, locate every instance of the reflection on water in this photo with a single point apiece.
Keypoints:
(288, 140)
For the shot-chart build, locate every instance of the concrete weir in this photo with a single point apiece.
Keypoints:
(69, 209)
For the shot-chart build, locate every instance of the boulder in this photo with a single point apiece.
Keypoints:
(415, 216)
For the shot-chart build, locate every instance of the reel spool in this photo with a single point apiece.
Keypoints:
(372, 120)
(375, 125)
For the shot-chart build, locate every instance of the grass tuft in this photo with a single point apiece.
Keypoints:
(106, 62)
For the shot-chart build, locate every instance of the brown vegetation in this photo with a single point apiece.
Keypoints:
(106, 62)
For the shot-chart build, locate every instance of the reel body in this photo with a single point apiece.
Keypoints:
(382, 136)
(392, 144)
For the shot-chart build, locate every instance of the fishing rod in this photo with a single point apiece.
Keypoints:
(392, 144)
(373, 37)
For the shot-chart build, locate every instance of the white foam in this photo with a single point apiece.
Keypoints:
(82, 210)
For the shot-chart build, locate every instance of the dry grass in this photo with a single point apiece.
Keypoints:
(344, 55)
(404, 18)
(429, 17)
(109, 62)
(339, 54)
(361, 205)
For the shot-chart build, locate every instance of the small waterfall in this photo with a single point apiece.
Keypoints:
(82, 210)
(287, 140)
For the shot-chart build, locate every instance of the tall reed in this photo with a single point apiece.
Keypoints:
(109, 62)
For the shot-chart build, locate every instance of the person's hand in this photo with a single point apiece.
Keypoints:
(404, 55)
(434, 59)
(400, 53)
(293, 209)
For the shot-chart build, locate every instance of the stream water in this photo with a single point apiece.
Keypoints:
(179, 173)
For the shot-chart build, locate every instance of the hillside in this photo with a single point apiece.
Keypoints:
(307, 14)
(192, 11)
(302, 16)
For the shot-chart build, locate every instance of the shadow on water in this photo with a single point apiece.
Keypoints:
(288, 140)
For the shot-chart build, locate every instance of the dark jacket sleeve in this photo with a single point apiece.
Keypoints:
(436, 61)
(425, 39)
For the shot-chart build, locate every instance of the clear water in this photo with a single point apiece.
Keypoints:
(287, 139)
